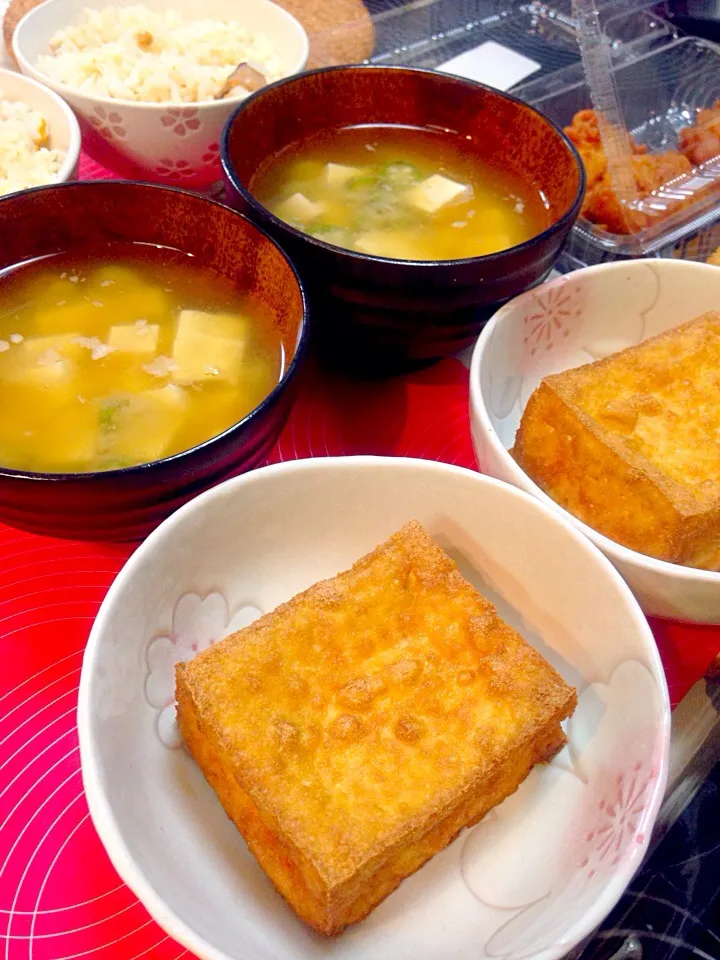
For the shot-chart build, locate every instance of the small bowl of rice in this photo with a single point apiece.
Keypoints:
(143, 76)
(39, 135)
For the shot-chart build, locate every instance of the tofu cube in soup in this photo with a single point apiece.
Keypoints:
(298, 207)
(338, 174)
(208, 347)
(45, 363)
(44, 351)
(143, 427)
(55, 378)
(394, 244)
(68, 317)
(140, 338)
(72, 449)
(436, 192)
(149, 303)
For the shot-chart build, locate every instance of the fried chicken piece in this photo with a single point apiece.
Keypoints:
(595, 163)
(585, 133)
(701, 142)
(656, 169)
(584, 129)
(650, 171)
(714, 258)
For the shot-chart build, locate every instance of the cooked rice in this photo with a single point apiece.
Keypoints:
(25, 157)
(132, 53)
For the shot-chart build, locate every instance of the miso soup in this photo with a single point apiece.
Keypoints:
(400, 192)
(123, 356)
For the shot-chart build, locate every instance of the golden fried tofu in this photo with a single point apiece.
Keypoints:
(354, 731)
(629, 444)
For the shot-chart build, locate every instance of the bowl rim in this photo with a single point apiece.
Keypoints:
(33, 72)
(569, 216)
(101, 811)
(479, 413)
(72, 154)
(254, 414)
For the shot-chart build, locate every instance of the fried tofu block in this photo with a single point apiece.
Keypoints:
(629, 444)
(353, 732)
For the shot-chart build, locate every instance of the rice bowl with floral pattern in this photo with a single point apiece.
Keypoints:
(172, 142)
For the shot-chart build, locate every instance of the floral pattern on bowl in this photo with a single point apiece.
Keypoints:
(596, 814)
(212, 155)
(152, 131)
(197, 623)
(557, 307)
(174, 169)
(552, 316)
(181, 120)
(108, 123)
(560, 330)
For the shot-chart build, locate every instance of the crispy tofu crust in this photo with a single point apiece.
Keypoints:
(629, 444)
(354, 731)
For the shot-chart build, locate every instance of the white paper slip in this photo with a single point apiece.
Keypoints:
(493, 64)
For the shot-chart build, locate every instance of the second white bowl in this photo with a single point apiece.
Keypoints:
(63, 128)
(166, 142)
(567, 322)
(528, 882)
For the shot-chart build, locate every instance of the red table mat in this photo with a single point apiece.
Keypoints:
(59, 896)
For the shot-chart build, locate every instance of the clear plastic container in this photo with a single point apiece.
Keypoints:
(427, 34)
(660, 92)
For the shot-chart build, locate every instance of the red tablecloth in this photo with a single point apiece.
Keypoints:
(59, 896)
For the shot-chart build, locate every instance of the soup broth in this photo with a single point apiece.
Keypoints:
(124, 357)
(400, 192)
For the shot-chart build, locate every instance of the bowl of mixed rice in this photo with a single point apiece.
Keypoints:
(39, 135)
(146, 77)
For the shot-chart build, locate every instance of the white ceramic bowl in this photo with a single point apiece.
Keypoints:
(567, 322)
(63, 128)
(536, 876)
(162, 142)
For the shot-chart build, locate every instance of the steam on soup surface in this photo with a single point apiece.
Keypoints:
(400, 192)
(124, 357)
